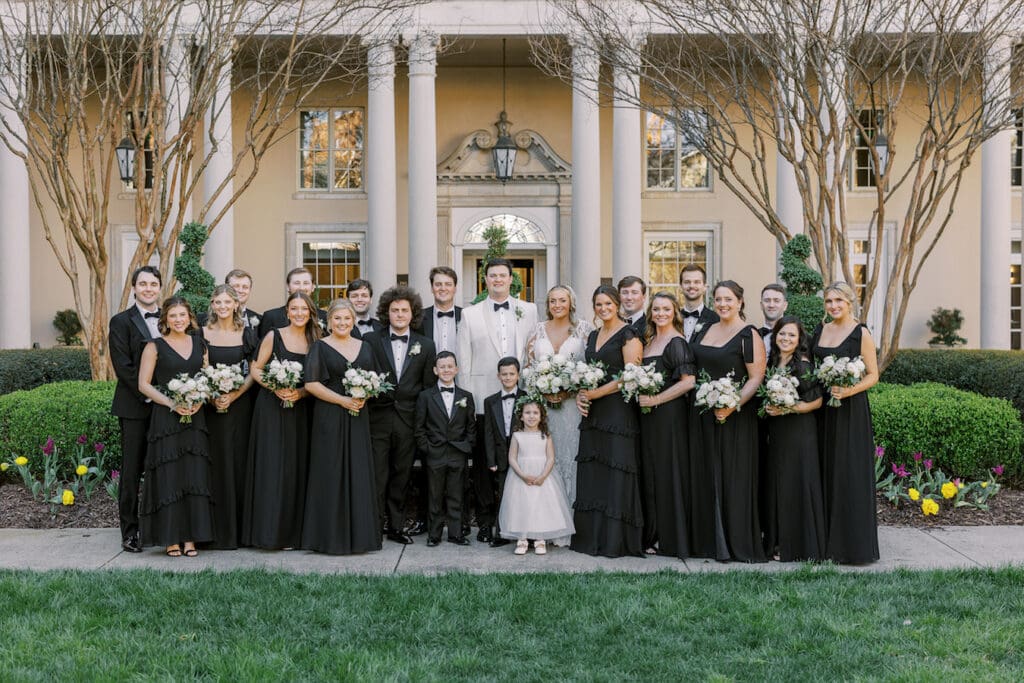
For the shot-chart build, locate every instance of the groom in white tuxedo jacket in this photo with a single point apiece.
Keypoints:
(495, 328)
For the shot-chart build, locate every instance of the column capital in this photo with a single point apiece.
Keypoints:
(380, 60)
(422, 52)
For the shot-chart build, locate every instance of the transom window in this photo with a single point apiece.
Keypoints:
(863, 167)
(331, 149)
(518, 229)
(674, 161)
(334, 263)
(667, 252)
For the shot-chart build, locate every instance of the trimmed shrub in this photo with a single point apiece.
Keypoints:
(22, 369)
(802, 283)
(64, 411)
(964, 433)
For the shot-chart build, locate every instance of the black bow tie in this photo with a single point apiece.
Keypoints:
(156, 315)
(765, 331)
(450, 390)
(400, 337)
(690, 314)
(365, 323)
(508, 397)
(500, 306)
(446, 314)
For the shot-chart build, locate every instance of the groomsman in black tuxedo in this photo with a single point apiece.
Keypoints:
(408, 359)
(130, 331)
(499, 415)
(446, 432)
(774, 303)
(298, 280)
(633, 295)
(360, 293)
(696, 316)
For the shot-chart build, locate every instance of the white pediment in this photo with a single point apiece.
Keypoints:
(471, 160)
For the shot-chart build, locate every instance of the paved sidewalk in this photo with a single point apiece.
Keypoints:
(901, 547)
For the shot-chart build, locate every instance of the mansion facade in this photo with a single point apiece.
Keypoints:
(397, 177)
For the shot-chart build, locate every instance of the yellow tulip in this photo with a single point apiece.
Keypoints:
(914, 494)
(948, 490)
(21, 461)
(81, 470)
(67, 498)
(3, 466)
(929, 507)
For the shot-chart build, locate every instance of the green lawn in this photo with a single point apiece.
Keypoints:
(803, 625)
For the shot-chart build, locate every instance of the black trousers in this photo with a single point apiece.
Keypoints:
(444, 479)
(133, 462)
(394, 448)
(499, 481)
(480, 483)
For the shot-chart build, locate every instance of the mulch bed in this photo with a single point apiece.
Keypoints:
(1006, 507)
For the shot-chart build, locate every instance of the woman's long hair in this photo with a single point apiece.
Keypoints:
(677, 316)
(312, 331)
(236, 318)
(168, 304)
(803, 346)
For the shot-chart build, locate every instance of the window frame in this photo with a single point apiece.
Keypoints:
(296, 234)
(148, 154)
(330, 151)
(856, 148)
(681, 140)
(1017, 260)
(710, 233)
(1017, 150)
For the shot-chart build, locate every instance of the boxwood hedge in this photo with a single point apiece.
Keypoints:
(22, 369)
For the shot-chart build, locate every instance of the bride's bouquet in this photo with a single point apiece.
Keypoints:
(585, 375)
(839, 372)
(187, 390)
(779, 389)
(550, 374)
(361, 383)
(640, 380)
(223, 379)
(282, 374)
(723, 392)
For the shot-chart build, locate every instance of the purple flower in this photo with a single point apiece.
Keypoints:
(879, 452)
(997, 470)
(958, 482)
(899, 470)
(917, 456)
(82, 440)
(48, 446)
(927, 464)
(99, 446)
(115, 474)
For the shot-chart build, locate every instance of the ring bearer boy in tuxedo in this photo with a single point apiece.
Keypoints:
(408, 360)
(499, 414)
(130, 331)
(446, 432)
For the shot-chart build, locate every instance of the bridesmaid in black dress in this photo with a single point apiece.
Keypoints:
(278, 462)
(724, 519)
(608, 513)
(231, 342)
(846, 440)
(664, 447)
(341, 501)
(175, 510)
(794, 524)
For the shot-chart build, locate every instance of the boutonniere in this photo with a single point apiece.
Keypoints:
(461, 402)
(698, 327)
(519, 312)
(414, 350)
(323, 326)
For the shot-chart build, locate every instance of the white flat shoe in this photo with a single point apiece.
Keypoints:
(522, 545)
(540, 547)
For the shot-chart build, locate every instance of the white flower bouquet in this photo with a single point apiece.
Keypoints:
(640, 380)
(223, 379)
(361, 383)
(586, 376)
(187, 390)
(723, 392)
(839, 372)
(779, 389)
(282, 374)
(550, 374)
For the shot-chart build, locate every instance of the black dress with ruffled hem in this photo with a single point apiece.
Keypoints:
(176, 505)
(607, 513)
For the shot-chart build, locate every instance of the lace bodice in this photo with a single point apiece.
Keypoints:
(573, 347)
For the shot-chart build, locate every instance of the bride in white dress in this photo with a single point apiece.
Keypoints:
(564, 334)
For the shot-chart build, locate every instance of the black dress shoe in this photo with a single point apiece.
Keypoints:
(484, 535)
(399, 537)
(466, 530)
(132, 544)
(416, 528)
(459, 540)
(498, 542)
(433, 542)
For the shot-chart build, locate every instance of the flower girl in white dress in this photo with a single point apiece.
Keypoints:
(533, 505)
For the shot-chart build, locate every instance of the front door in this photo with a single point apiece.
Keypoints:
(529, 268)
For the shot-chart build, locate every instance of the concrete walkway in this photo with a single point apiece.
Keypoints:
(901, 547)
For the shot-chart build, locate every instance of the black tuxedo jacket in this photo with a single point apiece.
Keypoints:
(640, 326)
(359, 331)
(707, 317)
(417, 373)
(495, 442)
(276, 318)
(436, 434)
(128, 336)
(427, 329)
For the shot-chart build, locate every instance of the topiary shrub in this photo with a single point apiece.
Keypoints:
(964, 433)
(22, 369)
(196, 283)
(802, 282)
(497, 244)
(69, 325)
(64, 411)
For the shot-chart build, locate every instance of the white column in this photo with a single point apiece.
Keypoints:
(177, 83)
(586, 174)
(996, 206)
(422, 158)
(627, 183)
(382, 232)
(788, 203)
(218, 147)
(15, 253)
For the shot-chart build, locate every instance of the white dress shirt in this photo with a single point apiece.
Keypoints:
(690, 324)
(445, 331)
(507, 409)
(506, 325)
(448, 397)
(151, 323)
(398, 349)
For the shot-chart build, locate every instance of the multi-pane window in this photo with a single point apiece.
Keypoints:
(1017, 151)
(331, 149)
(863, 167)
(667, 253)
(334, 263)
(860, 258)
(143, 152)
(1015, 294)
(674, 161)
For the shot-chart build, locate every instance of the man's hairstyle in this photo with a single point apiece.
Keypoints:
(631, 280)
(693, 268)
(498, 262)
(237, 274)
(297, 271)
(444, 270)
(357, 284)
(507, 361)
(445, 354)
(152, 270)
(776, 287)
(400, 293)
